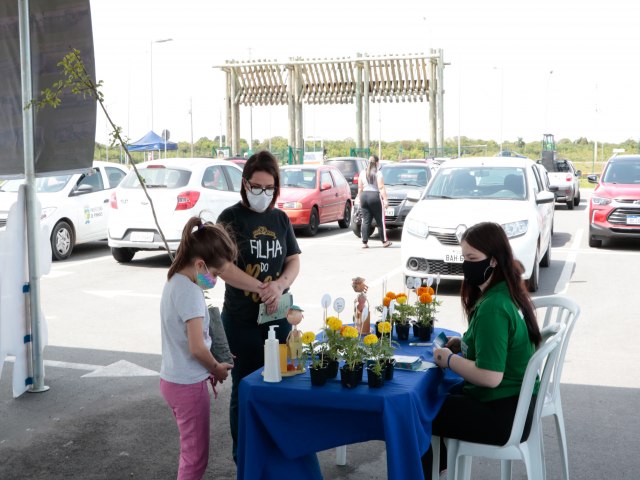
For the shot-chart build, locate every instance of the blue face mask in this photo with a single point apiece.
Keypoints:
(206, 280)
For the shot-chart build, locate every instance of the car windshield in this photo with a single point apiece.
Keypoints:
(51, 184)
(347, 167)
(627, 172)
(507, 183)
(158, 177)
(410, 176)
(298, 178)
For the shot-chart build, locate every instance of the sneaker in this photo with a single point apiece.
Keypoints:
(443, 475)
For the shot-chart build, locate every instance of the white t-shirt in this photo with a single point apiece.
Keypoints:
(181, 300)
(368, 187)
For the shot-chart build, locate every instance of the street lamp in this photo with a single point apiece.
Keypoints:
(164, 40)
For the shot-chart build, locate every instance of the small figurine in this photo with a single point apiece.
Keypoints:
(362, 324)
(294, 339)
(358, 285)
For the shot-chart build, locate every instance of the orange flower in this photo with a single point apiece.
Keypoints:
(386, 301)
(390, 295)
(431, 291)
(421, 290)
(426, 298)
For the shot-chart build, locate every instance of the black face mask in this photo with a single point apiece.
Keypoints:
(476, 273)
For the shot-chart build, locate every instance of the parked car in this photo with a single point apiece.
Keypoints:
(564, 180)
(240, 161)
(74, 205)
(314, 194)
(400, 180)
(466, 191)
(180, 188)
(614, 209)
(351, 167)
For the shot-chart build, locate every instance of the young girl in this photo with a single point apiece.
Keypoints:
(187, 364)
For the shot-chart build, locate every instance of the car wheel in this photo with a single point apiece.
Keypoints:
(123, 255)
(346, 219)
(595, 242)
(570, 204)
(546, 260)
(576, 200)
(61, 241)
(314, 223)
(533, 282)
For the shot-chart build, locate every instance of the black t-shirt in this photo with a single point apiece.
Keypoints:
(264, 241)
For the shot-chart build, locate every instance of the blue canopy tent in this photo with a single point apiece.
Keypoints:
(151, 141)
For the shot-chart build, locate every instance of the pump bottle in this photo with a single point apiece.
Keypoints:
(272, 357)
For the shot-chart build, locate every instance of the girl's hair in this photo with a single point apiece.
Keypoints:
(490, 239)
(205, 240)
(262, 161)
(372, 170)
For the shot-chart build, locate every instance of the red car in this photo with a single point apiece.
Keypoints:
(314, 194)
(614, 209)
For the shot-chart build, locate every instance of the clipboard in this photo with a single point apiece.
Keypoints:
(286, 301)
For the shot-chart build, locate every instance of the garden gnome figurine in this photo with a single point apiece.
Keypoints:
(294, 339)
(362, 324)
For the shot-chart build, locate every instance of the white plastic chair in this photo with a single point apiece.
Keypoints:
(557, 309)
(529, 451)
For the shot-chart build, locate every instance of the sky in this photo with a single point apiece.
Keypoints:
(516, 68)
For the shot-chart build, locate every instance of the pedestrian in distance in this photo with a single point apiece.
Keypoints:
(373, 200)
(502, 337)
(269, 256)
(188, 366)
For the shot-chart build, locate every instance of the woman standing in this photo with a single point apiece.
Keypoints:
(269, 255)
(373, 201)
(503, 334)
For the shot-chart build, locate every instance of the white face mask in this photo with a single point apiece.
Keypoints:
(258, 203)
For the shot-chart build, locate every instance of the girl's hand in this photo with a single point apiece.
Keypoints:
(440, 356)
(453, 344)
(221, 371)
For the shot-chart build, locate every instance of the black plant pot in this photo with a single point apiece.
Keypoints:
(423, 332)
(375, 380)
(318, 376)
(332, 369)
(378, 333)
(402, 331)
(389, 368)
(349, 377)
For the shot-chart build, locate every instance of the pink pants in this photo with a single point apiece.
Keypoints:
(190, 405)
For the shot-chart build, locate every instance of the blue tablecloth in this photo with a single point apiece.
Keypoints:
(283, 424)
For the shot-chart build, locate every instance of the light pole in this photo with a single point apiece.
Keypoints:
(501, 95)
(547, 100)
(164, 40)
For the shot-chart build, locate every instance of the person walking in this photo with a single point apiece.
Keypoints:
(269, 255)
(187, 363)
(502, 336)
(373, 201)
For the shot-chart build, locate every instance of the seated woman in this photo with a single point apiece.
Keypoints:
(503, 334)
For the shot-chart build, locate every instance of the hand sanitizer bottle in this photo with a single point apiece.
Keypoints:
(272, 357)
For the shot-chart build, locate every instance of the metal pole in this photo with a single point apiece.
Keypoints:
(459, 110)
(432, 108)
(366, 105)
(191, 118)
(33, 222)
(440, 86)
(358, 103)
(151, 82)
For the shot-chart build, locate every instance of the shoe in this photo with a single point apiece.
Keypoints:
(386, 244)
(364, 245)
(443, 475)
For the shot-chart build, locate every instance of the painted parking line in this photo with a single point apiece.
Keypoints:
(570, 262)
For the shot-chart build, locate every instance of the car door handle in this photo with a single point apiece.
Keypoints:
(106, 200)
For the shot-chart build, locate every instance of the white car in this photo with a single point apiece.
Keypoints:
(510, 191)
(180, 188)
(75, 206)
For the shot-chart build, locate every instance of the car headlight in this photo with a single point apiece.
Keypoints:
(47, 212)
(516, 229)
(600, 200)
(417, 228)
(297, 205)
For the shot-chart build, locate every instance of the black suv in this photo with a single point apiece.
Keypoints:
(351, 167)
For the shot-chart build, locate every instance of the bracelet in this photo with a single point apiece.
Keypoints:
(449, 360)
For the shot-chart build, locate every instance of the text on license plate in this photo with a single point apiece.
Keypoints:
(633, 219)
(141, 236)
(390, 212)
(453, 257)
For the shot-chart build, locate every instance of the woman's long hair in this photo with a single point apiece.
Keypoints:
(490, 239)
(205, 240)
(262, 161)
(372, 170)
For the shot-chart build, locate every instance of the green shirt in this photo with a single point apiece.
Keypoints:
(497, 340)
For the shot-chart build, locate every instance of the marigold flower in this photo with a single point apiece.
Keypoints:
(384, 327)
(431, 291)
(334, 323)
(349, 332)
(386, 301)
(390, 295)
(401, 299)
(370, 339)
(426, 298)
(308, 338)
(421, 290)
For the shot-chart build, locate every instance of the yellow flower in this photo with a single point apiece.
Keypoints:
(370, 339)
(384, 327)
(350, 332)
(426, 298)
(334, 323)
(401, 298)
(308, 338)
(390, 295)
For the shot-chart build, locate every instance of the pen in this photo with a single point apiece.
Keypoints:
(420, 344)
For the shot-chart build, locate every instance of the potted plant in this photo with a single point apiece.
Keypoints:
(401, 317)
(317, 369)
(351, 371)
(332, 351)
(425, 311)
(386, 349)
(375, 363)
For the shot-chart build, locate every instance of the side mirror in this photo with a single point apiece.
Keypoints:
(81, 190)
(579, 173)
(325, 186)
(593, 178)
(414, 195)
(545, 197)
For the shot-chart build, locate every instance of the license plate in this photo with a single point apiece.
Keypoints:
(633, 219)
(141, 236)
(390, 212)
(453, 257)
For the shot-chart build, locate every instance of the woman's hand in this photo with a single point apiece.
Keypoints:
(440, 356)
(270, 294)
(453, 344)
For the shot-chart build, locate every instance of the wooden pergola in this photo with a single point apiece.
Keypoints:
(360, 80)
